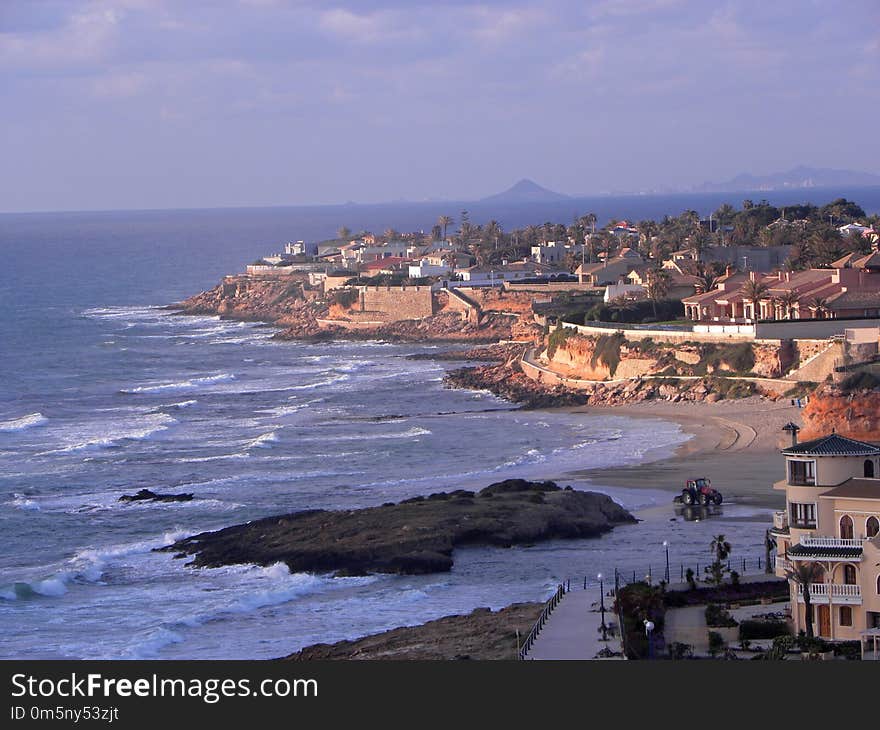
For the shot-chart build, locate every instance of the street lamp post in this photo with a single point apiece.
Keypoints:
(649, 628)
(602, 608)
(666, 545)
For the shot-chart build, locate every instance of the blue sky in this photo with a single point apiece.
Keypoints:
(202, 103)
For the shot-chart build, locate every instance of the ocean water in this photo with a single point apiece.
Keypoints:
(104, 393)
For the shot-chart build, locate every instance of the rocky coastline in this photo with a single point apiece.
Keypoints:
(482, 634)
(415, 536)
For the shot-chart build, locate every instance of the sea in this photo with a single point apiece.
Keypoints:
(104, 392)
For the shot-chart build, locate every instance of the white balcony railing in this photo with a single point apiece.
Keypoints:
(838, 592)
(780, 520)
(831, 542)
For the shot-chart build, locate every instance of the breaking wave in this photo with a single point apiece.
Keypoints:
(20, 424)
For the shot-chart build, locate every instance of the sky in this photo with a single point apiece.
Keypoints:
(128, 104)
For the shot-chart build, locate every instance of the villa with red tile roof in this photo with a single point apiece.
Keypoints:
(850, 288)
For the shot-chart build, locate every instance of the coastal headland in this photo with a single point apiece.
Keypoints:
(415, 536)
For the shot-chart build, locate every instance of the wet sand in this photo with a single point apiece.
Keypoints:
(734, 443)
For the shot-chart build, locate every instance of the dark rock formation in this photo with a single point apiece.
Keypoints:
(415, 536)
(482, 634)
(145, 495)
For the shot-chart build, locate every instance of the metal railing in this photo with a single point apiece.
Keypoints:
(552, 603)
(831, 542)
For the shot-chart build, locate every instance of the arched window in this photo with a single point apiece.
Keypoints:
(846, 527)
(849, 575)
(869, 469)
(872, 527)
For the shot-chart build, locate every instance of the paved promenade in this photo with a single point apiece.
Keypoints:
(573, 630)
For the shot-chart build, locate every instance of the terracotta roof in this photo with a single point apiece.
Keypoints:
(871, 261)
(855, 489)
(855, 300)
(844, 262)
(833, 445)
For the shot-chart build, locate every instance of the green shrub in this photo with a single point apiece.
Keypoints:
(607, 351)
(716, 643)
(753, 629)
(717, 617)
(860, 381)
(558, 337)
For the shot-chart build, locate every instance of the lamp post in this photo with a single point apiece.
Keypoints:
(649, 628)
(666, 545)
(602, 608)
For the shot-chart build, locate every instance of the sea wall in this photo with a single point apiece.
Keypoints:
(398, 303)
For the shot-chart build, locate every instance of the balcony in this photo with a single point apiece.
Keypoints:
(837, 592)
(782, 565)
(830, 549)
(831, 542)
(801, 481)
(780, 521)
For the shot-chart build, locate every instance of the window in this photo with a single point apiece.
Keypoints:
(846, 527)
(802, 472)
(872, 527)
(849, 575)
(845, 616)
(869, 469)
(803, 515)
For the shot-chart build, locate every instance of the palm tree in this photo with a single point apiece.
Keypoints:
(789, 301)
(443, 221)
(804, 575)
(720, 548)
(656, 286)
(755, 291)
(707, 281)
(820, 306)
(492, 232)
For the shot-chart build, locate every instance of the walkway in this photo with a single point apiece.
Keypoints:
(573, 629)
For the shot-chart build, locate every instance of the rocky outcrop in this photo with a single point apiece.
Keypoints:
(415, 536)
(482, 634)
(508, 381)
(289, 303)
(855, 414)
(145, 495)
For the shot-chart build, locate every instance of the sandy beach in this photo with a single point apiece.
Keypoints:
(735, 443)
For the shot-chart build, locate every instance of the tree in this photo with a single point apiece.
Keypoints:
(443, 221)
(656, 286)
(804, 575)
(819, 305)
(492, 232)
(721, 549)
(344, 233)
(789, 300)
(755, 291)
(707, 280)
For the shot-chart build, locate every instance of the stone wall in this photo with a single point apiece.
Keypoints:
(413, 302)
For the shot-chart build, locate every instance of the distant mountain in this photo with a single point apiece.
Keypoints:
(799, 177)
(525, 191)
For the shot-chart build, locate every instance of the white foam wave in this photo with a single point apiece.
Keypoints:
(263, 441)
(114, 433)
(411, 433)
(182, 385)
(19, 424)
(24, 503)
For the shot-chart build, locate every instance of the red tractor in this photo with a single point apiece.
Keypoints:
(699, 491)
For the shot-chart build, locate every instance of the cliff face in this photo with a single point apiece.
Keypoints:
(855, 414)
(611, 356)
